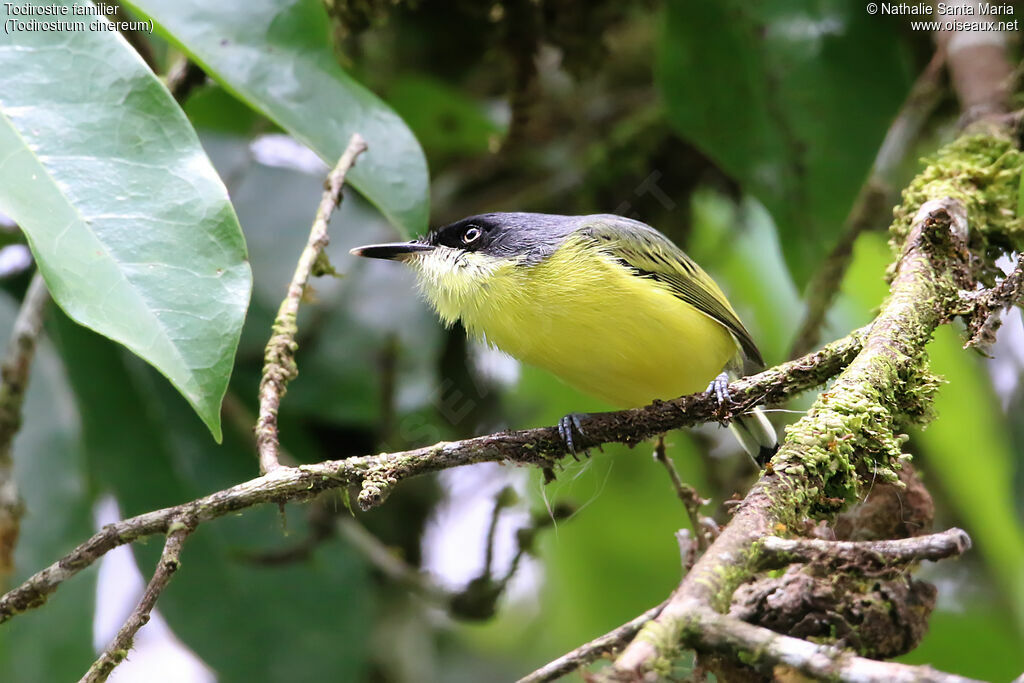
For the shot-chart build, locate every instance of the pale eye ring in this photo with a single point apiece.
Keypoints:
(471, 235)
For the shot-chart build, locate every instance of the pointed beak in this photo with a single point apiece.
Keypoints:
(395, 251)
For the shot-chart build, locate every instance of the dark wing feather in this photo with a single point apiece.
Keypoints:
(648, 253)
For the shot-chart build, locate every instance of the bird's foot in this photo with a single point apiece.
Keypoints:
(569, 425)
(719, 388)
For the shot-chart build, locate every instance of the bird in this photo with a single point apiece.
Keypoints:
(606, 303)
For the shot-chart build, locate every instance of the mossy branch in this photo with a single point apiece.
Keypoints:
(279, 366)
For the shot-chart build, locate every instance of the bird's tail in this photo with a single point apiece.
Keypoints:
(756, 434)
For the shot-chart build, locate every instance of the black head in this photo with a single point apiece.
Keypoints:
(529, 236)
(476, 233)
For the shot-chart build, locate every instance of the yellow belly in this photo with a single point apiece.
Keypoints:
(609, 333)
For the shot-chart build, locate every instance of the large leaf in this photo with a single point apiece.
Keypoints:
(53, 643)
(277, 56)
(130, 224)
(792, 99)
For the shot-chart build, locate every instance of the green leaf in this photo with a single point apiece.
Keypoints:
(130, 224)
(277, 56)
(445, 120)
(791, 99)
(53, 643)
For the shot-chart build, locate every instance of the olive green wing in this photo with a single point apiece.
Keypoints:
(650, 254)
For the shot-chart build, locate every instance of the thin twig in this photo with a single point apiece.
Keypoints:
(691, 500)
(866, 556)
(279, 359)
(117, 651)
(14, 372)
(378, 474)
(592, 651)
(988, 304)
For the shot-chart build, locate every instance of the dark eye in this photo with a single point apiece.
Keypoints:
(471, 235)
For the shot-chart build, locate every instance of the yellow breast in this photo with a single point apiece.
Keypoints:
(582, 316)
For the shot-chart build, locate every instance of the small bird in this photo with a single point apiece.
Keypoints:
(608, 304)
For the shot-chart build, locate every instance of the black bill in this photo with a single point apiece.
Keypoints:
(395, 251)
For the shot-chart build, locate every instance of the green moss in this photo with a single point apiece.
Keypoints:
(176, 526)
(982, 170)
(915, 393)
(665, 642)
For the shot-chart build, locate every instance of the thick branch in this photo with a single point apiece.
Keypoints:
(377, 474)
(865, 556)
(122, 643)
(763, 649)
(14, 372)
(279, 358)
(852, 421)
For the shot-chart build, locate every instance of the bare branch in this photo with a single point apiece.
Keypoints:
(378, 474)
(279, 359)
(14, 372)
(169, 562)
(592, 651)
(688, 495)
(865, 556)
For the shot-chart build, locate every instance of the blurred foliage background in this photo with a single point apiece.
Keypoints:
(742, 130)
